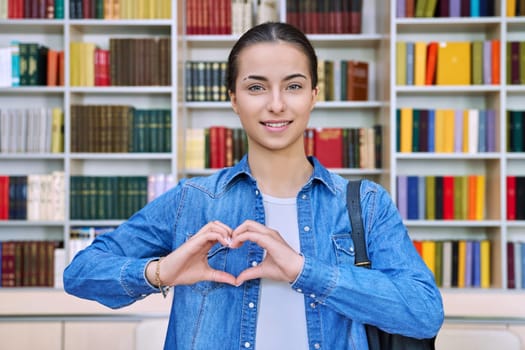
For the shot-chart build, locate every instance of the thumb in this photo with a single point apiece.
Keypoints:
(248, 274)
(223, 277)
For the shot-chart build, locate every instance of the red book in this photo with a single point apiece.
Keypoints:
(356, 81)
(61, 68)
(328, 146)
(102, 75)
(511, 277)
(511, 197)
(419, 247)
(217, 147)
(448, 197)
(495, 62)
(430, 77)
(8, 264)
(356, 16)
(4, 197)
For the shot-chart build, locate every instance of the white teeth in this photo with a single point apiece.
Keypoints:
(276, 125)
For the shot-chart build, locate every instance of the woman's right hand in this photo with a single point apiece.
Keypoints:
(188, 264)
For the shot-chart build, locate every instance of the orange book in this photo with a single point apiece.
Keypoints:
(52, 68)
(448, 130)
(480, 197)
(439, 131)
(453, 63)
(420, 62)
(432, 50)
(429, 255)
(496, 65)
(462, 262)
(419, 247)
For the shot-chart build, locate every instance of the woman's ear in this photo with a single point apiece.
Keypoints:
(315, 92)
(233, 101)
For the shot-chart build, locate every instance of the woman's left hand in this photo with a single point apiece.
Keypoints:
(281, 263)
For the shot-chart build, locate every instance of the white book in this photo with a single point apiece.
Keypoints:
(267, 11)
(5, 131)
(3, 9)
(473, 129)
(33, 197)
(447, 264)
(5, 66)
(517, 265)
(60, 265)
(58, 196)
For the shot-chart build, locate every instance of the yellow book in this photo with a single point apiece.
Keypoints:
(74, 60)
(453, 63)
(485, 263)
(480, 197)
(511, 8)
(420, 62)
(166, 9)
(88, 69)
(428, 252)
(195, 148)
(465, 130)
(439, 131)
(406, 130)
(448, 130)
(401, 63)
(321, 80)
(57, 130)
(462, 262)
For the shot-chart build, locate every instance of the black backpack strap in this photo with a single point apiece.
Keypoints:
(353, 202)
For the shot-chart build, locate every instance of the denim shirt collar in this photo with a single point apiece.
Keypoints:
(242, 168)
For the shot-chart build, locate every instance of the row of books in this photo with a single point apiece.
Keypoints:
(16, 9)
(445, 130)
(205, 81)
(515, 197)
(119, 9)
(336, 147)
(33, 197)
(127, 62)
(217, 17)
(458, 263)
(30, 64)
(353, 80)
(106, 197)
(448, 63)
(29, 263)
(515, 8)
(441, 197)
(32, 130)
(516, 130)
(444, 8)
(325, 17)
(119, 128)
(214, 147)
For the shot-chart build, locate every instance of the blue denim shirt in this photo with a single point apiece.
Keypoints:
(398, 294)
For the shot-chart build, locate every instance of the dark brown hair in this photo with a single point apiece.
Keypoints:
(270, 32)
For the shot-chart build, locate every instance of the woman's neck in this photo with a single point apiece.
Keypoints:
(280, 175)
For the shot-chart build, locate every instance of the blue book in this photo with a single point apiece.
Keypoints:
(482, 131)
(421, 191)
(522, 262)
(400, 8)
(491, 130)
(412, 197)
(410, 63)
(402, 196)
(469, 260)
(15, 63)
(458, 130)
(431, 130)
(474, 8)
(476, 264)
(454, 8)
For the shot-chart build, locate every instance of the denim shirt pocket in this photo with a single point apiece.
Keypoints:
(217, 260)
(344, 248)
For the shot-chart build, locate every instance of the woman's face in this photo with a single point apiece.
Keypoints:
(274, 96)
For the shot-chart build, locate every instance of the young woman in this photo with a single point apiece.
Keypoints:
(260, 255)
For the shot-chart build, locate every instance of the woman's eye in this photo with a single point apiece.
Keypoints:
(294, 86)
(255, 88)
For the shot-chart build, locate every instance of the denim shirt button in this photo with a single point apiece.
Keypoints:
(256, 192)
(312, 305)
(299, 290)
(254, 263)
(312, 296)
(304, 196)
(317, 346)
(306, 228)
(247, 344)
(251, 305)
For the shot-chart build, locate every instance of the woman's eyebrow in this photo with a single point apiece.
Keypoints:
(263, 78)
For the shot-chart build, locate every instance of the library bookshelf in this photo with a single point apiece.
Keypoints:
(375, 44)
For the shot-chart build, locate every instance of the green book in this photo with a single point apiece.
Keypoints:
(477, 62)
(431, 197)
(24, 63)
(438, 273)
(522, 63)
(166, 113)
(415, 129)
(344, 65)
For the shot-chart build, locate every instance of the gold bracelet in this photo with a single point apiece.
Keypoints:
(163, 289)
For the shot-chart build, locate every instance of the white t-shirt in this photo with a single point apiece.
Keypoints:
(281, 320)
